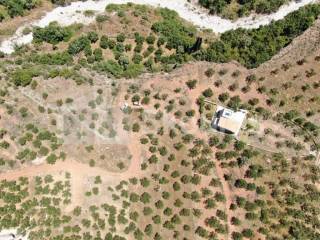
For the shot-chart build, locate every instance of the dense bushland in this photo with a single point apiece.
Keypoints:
(254, 47)
(12, 8)
(243, 7)
(52, 34)
(176, 33)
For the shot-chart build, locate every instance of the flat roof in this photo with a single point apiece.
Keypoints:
(229, 119)
(229, 124)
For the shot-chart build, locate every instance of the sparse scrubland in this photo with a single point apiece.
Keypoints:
(105, 130)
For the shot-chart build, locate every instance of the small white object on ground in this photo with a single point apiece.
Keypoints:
(38, 161)
(11, 234)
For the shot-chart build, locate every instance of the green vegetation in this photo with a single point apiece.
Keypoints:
(57, 58)
(79, 44)
(59, 2)
(189, 181)
(15, 8)
(249, 47)
(253, 47)
(49, 197)
(23, 77)
(177, 34)
(243, 7)
(52, 34)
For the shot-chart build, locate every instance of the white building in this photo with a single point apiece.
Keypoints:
(228, 121)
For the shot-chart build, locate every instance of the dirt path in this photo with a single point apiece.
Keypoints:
(131, 140)
(192, 127)
(194, 94)
(80, 171)
(74, 167)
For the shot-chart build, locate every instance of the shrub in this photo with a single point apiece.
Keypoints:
(78, 45)
(23, 77)
(111, 67)
(58, 58)
(52, 34)
(175, 32)
(93, 37)
(101, 18)
(133, 70)
(104, 42)
(16, 7)
(121, 37)
(223, 97)
(209, 72)
(207, 93)
(97, 53)
(191, 84)
(136, 127)
(150, 39)
(51, 159)
(137, 58)
(240, 183)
